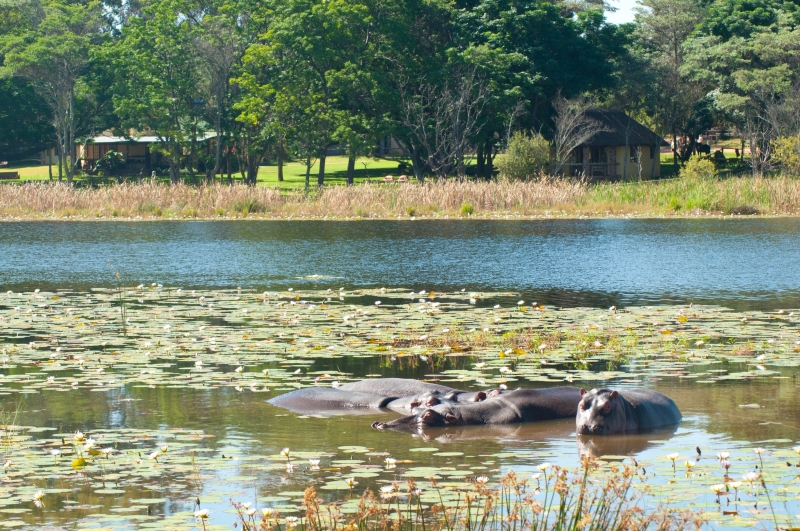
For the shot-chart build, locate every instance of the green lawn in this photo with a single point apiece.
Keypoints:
(293, 172)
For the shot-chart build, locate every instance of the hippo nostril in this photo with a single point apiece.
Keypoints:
(432, 401)
(378, 426)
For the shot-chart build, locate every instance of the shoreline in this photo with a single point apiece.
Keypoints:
(546, 199)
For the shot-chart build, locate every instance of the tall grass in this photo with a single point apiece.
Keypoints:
(554, 501)
(42, 200)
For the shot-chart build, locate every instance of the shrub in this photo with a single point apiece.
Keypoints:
(698, 168)
(467, 209)
(526, 157)
(786, 153)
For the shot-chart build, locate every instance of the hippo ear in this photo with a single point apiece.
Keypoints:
(583, 391)
(453, 420)
(480, 396)
(614, 394)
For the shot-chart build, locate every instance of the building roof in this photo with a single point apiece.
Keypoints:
(616, 124)
(108, 138)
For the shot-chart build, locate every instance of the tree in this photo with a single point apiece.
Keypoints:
(156, 78)
(662, 28)
(52, 54)
(571, 128)
(749, 53)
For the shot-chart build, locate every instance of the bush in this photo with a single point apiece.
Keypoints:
(526, 157)
(786, 153)
(467, 209)
(698, 168)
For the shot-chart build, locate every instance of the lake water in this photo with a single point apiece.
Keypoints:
(135, 388)
(740, 263)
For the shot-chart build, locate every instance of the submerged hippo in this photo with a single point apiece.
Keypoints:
(397, 387)
(520, 405)
(338, 400)
(603, 411)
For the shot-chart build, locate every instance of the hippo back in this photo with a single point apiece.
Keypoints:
(652, 409)
(327, 399)
(395, 387)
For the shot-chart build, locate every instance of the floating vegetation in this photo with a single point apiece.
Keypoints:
(64, 350)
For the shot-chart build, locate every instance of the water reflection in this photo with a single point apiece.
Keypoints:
(567, 262)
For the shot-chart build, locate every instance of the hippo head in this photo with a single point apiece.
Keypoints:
(441, 416)
(600, 412)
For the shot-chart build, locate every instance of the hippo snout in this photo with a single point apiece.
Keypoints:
(595, 429)
(379, 426)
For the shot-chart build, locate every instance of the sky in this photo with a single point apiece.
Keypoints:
(624, 11)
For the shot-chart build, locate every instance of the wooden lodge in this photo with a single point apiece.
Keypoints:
(623, 150)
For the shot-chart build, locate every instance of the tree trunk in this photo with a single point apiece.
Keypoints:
(280, 160)
(321, 174)
(61, 159)
(674, 149)
(479, 162)
(351, 169)
(489, 159)
(416, 164)
(308, 171)
(228, 159)
(656, 157)
(71, 137)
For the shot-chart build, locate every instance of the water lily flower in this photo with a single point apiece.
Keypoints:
(89, 444)
(690, 464)
(153, 456)
(55, 452)
(238, 369)
(391, 462)
(246, 505)
(726, 465)
(38, 495)
(796, 450)
(335, 384)
(750, 477)
(700, 343)
(505, 370)
(266, 512)
(314, 463)
(107, 451)
(202, 514)
(350, 482)
(718, 489)
(480, 365)
(543, 466)
(723, 455)
(759, 451)
(266, 372)
(291, 521)
(481, 480)
(164, 448)
(79, 436)
(6, 465)
(285, 452)
(251, 512)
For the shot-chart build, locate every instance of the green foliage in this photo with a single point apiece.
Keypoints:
(110, 162)
(527, 157)
(467, 209)
(786, 153)
(698, 168)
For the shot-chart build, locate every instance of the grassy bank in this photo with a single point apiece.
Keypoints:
(778, 195)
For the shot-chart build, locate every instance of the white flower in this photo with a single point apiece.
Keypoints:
(246, 505)
(759, 450)
(314, 463)
(482, 480)
(266, 512)
(543, 466)
(153, 456)
(238, 369)
(690, 464)
(79, 436)
(164, 448)
(251, 512)
(202, 514)
(38, 495)
(350, 482)
(335, 384)
(718, 489)
(391, 462)
(480, 365)
(107, 451)
(285, 452)
(673, 457)
(723, 455)
(520, 303)
(291, 521)
(89, 444)
(55, 453)
(750, 477)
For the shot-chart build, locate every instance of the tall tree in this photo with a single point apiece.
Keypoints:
(156, 85)
(53, 54)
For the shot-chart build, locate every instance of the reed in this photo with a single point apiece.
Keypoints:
(555, 500)
(544, 197)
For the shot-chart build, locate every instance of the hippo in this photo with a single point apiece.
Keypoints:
(312, 400)
(396, 387)
(323, 399)
(603, 411)
(519, 405)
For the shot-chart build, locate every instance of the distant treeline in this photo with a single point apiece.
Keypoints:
(448, 80)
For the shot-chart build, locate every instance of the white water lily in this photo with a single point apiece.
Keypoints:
(266, 512)
(291, 521)
(202, 514)
(391, 462)
(350, 482)
(482, 480)
(38, 495)
(543, 466)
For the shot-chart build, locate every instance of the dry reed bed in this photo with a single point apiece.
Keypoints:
(778, 195)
